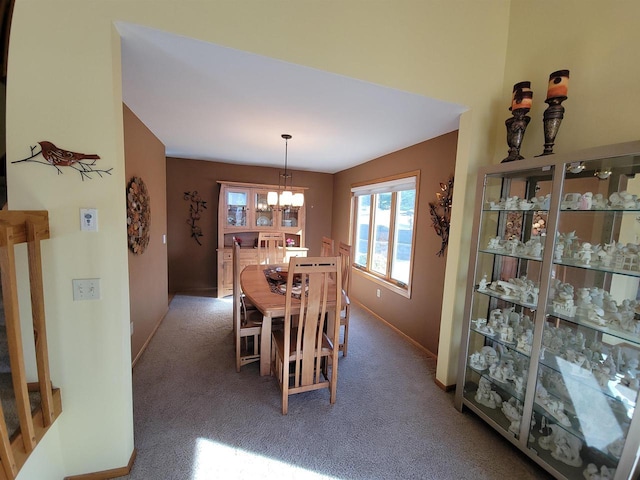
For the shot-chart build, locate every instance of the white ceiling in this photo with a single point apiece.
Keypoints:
(209, 102)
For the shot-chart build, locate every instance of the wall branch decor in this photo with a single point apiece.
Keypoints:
(82, 163)
(195, 209)
(441, 213)
(138, 215)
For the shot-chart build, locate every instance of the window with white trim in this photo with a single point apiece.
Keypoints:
(384, 228)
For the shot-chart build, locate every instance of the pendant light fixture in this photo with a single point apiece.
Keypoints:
(284, 197)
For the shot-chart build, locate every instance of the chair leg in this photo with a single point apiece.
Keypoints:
(333, 387)
(238, 346)
(345, 343)
(285, 400)
(256, 344)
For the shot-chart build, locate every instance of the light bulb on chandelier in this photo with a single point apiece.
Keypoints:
(284, 197)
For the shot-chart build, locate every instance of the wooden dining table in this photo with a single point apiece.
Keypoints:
(256, 288)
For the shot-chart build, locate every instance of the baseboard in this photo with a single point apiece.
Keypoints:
(148, 340)
(399, 332)
(107, 474)
(446, 388)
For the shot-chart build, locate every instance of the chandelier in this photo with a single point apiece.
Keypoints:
(285, 197)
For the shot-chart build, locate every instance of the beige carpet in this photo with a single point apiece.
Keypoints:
(197, 419)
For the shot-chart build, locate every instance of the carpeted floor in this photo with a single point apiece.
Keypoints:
(197, 419)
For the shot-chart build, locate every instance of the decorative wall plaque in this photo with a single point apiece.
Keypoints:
(138, 215)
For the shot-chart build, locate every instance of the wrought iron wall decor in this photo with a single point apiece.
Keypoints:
(82, 163)
(195, 209)
(138, 215)
(441, 213)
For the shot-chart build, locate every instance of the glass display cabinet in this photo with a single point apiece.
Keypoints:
(550, 355)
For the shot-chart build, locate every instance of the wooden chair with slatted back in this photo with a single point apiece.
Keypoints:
(326, 250)
(271, 248)
(247, 324)
(303, 354)
(345, 250)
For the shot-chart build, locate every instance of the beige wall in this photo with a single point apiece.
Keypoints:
(193, 267)
(148, 284)
(419, 316)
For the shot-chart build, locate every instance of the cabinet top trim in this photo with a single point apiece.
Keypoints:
(595, 153)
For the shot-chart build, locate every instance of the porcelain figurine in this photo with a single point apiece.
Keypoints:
(486, 396)
(592, 472)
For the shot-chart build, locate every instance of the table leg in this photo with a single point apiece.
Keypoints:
(265, 346)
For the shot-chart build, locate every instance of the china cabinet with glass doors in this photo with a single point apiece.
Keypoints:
(243, 212)
(550, 355)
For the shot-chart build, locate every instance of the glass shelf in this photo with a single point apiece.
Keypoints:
(513, 346)
(597, 268)
(505, 254)
(621, 334)
(515, 301)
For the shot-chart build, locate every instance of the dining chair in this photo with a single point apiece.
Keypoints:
(302, 354)
(326, 250)
(247, 324)
(271, 248)
(344, 251)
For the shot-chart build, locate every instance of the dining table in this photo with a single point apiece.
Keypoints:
(271, 303)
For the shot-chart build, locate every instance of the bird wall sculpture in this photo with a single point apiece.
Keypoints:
(56, 157)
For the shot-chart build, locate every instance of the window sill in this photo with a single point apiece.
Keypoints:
(405, 292)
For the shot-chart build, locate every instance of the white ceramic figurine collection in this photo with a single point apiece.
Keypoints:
(610, 256)
(571, 201)
(566, 351)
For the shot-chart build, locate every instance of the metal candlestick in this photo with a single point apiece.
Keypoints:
(516, 126)
(552, 118)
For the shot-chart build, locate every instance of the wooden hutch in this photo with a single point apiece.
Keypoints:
(243, 213)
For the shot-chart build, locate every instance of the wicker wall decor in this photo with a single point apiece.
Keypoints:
(138, 215)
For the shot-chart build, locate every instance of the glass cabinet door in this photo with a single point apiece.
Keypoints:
(264, 213)
(511, 242)
(589, 366)
(237, 207)
(289, 217)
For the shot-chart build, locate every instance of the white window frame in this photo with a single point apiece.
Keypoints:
(392, 184)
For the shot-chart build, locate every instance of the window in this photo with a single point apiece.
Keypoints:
(384, 229)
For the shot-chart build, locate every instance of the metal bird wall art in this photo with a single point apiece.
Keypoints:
(82, 163)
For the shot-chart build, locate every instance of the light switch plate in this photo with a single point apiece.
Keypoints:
(86, 289)
(89, 219)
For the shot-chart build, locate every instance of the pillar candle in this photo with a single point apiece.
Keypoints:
(558, 84)
(522, 99)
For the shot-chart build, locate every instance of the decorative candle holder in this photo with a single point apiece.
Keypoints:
(553, 115)
(552, 118)
(516, 126)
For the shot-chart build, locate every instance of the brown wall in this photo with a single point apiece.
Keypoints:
(419, 316)
(148, 286)
(193, 267)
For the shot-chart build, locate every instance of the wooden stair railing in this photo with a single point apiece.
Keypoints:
(28, 227)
